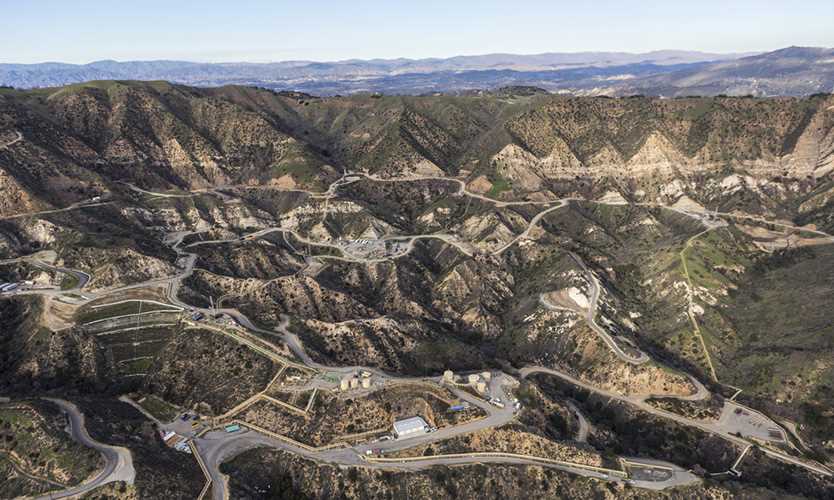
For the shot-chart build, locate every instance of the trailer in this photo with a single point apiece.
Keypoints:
(496, 402)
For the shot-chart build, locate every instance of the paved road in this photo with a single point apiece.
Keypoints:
(12, 142)
(584, 426)
(189, 194)
(23, 472)
(657, 474)
(118, 462)
(81, 277)
(462, 191)
(533, 222)
(74, 206)
(777, 224)
(494, 418)
(720, 428)
(215, 449)
(345, 255)
(217, 446)
(591, 314)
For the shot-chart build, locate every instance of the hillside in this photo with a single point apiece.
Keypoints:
(648, 278)
(167, 136)
(791, 71)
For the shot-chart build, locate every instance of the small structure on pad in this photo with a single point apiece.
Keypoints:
(410, 427)
(354, 381)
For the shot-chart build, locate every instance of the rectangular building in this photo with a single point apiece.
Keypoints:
(410, 427)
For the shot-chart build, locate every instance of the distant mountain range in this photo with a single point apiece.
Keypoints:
(790, 71)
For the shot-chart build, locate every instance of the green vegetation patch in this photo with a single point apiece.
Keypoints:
(714, 258)
(133, 352)
(122, 309)
(781, 313)
(159, 408)
(302, 173)
(32, 436)
(499, 185)
(69, 281)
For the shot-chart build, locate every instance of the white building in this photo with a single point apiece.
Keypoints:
(410, 427)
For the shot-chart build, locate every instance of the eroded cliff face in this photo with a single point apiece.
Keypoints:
(87, 136)
(634, 137)
(15, 198)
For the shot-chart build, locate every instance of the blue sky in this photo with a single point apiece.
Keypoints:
(245, 30)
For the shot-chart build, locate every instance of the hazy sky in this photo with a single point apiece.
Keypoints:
(81, 31)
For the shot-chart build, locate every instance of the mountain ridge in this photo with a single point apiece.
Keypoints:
(577, 237)
(303, 75)
(170, 136)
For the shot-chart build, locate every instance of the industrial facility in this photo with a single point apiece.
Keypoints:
(352, 381)
(477, 381)
(174, 440)
(410, 427)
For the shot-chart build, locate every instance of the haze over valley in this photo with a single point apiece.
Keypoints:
(794, 71)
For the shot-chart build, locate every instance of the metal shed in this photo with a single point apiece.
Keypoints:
(410, 426)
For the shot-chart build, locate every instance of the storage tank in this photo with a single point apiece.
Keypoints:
(449, 376)
(486, 376)
(473, 379)
(481, 387)
(366, 382)
(344, 384)
(354, 383)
